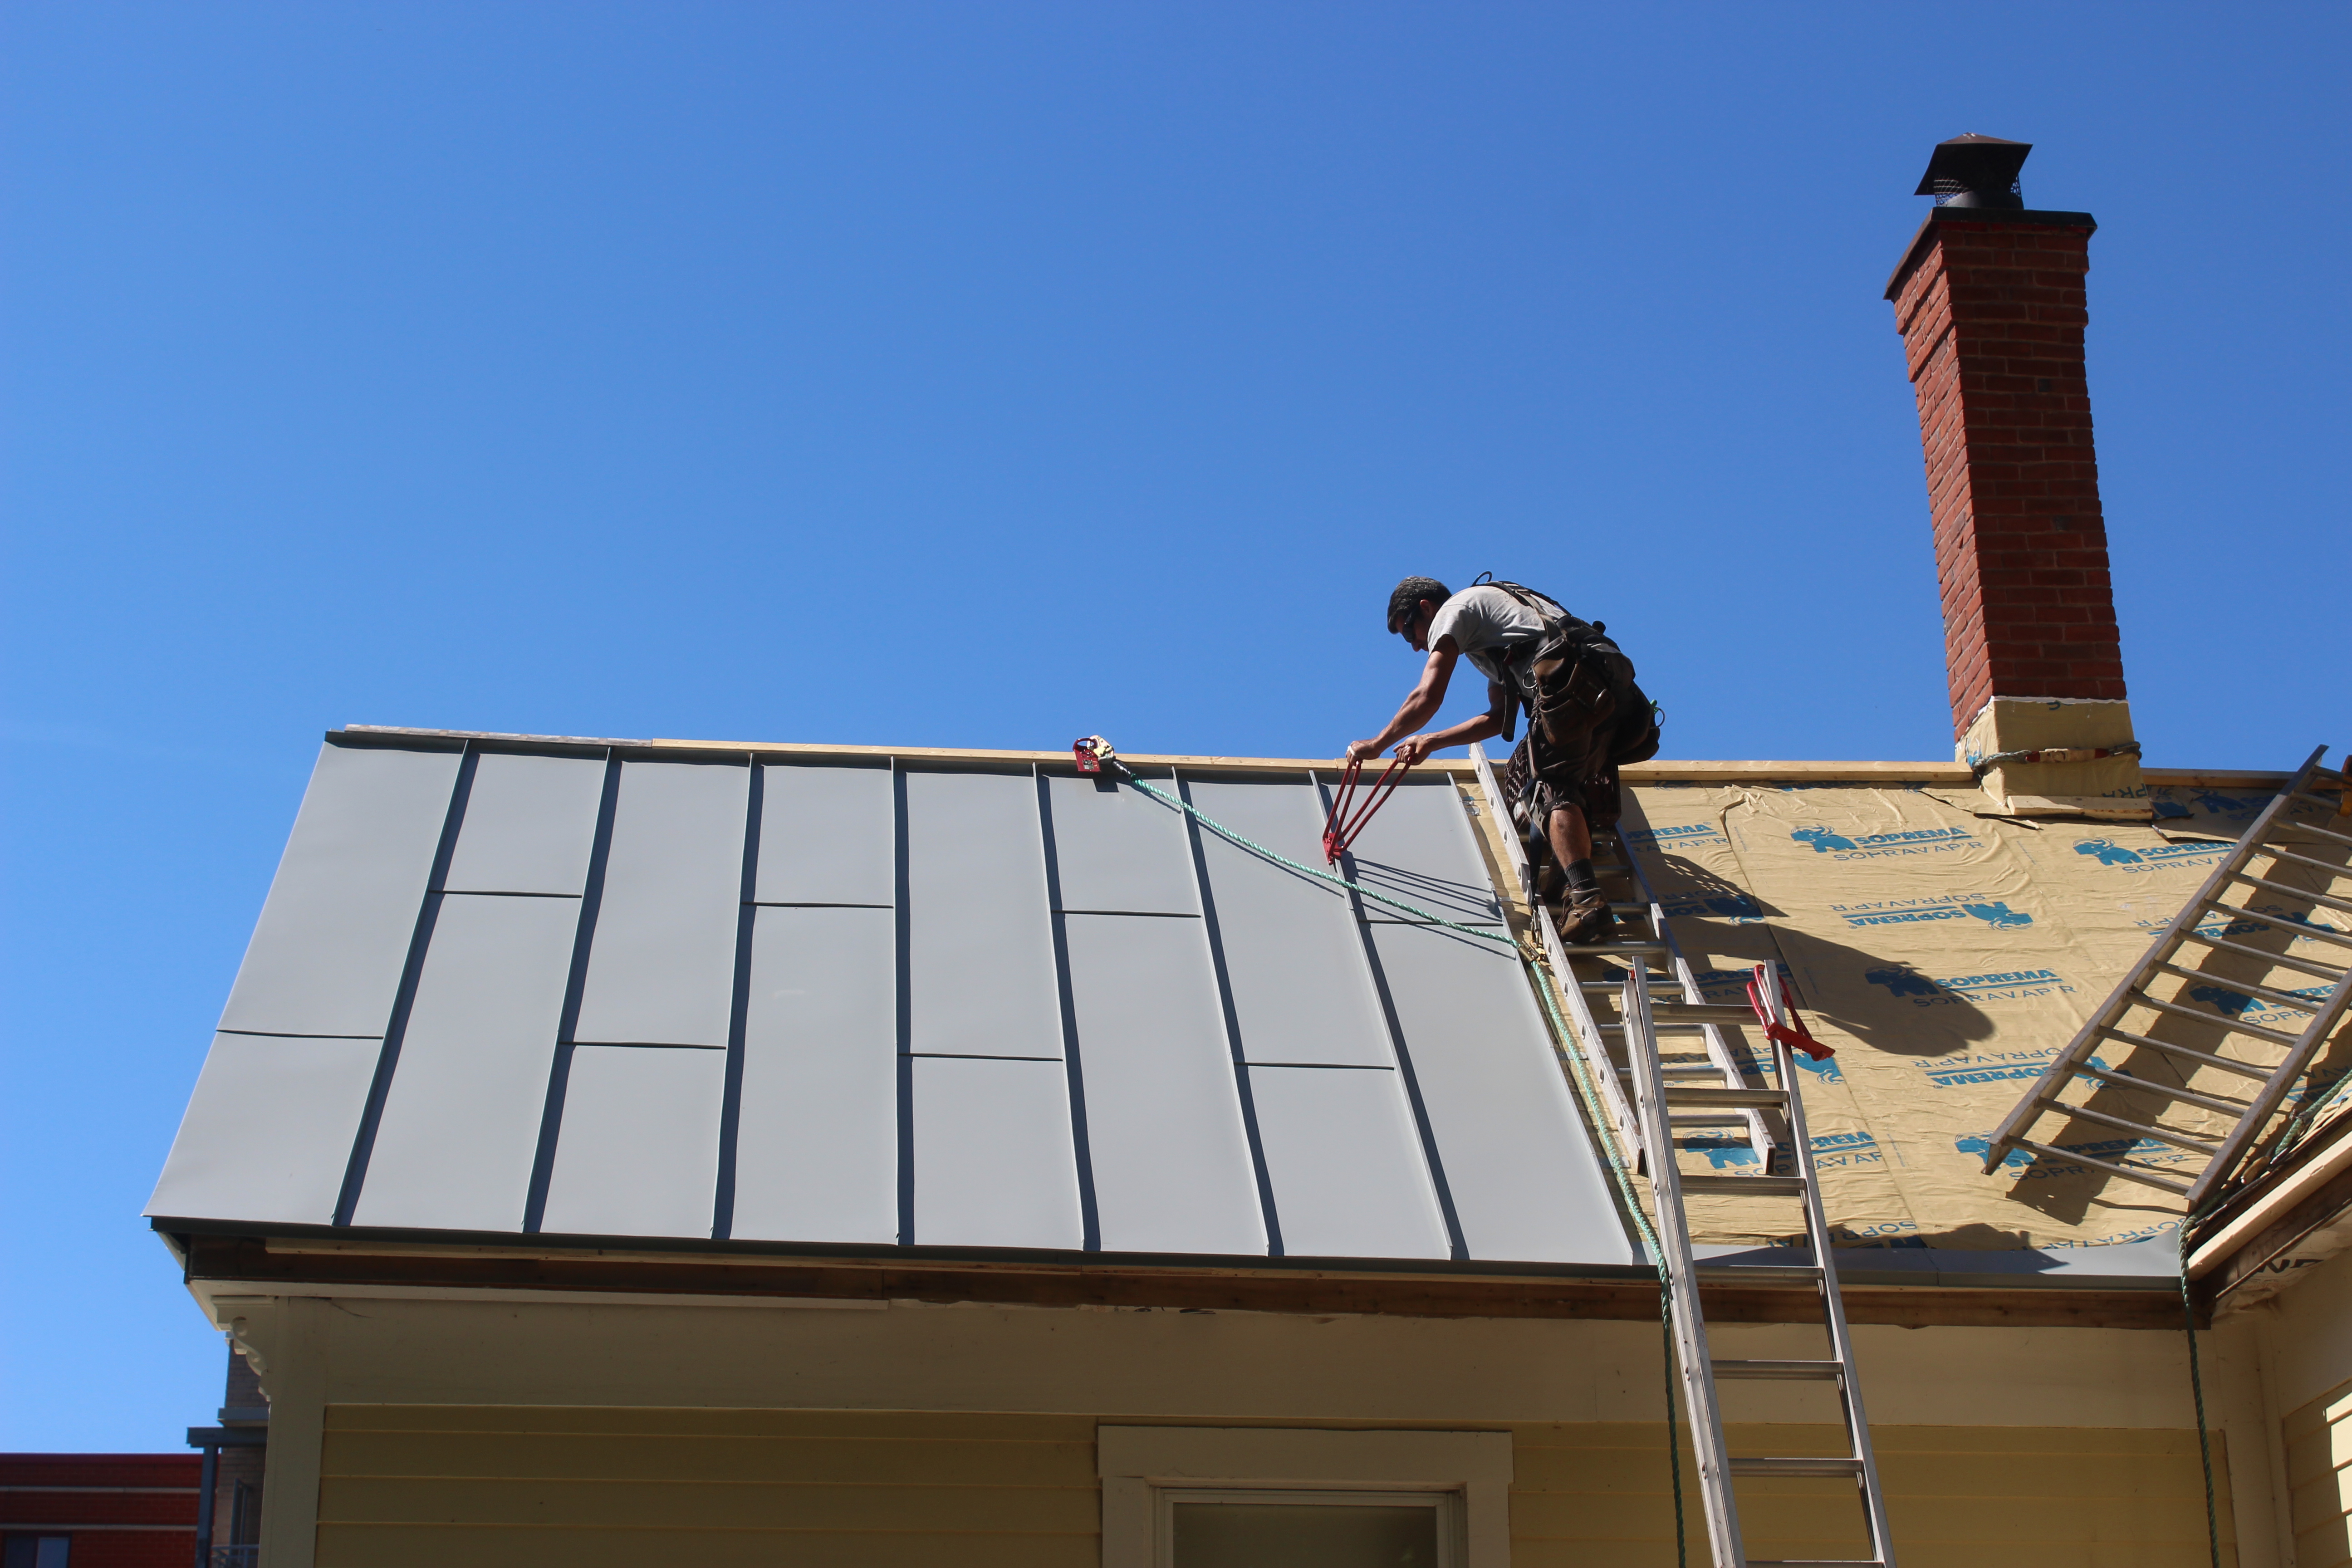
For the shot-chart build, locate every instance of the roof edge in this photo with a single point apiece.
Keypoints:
(1659, 772)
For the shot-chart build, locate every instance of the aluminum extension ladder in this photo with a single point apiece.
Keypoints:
(1589, 985)
(1705, 1088)
(2207, 922)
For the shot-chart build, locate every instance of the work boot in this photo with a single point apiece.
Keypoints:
(1584, 917)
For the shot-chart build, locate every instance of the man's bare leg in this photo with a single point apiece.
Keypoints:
(1571, 839)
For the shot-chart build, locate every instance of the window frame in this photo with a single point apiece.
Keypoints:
(1447, 1503)
(1141, 1467)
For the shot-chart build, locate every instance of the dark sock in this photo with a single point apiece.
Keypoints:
(1580, 877)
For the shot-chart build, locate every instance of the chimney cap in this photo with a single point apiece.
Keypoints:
(1973, 171)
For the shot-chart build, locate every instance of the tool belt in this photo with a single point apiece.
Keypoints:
(1573, 683)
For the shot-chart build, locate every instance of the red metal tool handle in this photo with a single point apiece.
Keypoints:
(1346, 819)
(1794, 1033)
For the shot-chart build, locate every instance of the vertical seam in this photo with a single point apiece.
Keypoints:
(1074, 1070)
(395, 1029)
(575, 984)
(1242, 1087)
(903, 1001)
(739, 1007)
(1434, 1163)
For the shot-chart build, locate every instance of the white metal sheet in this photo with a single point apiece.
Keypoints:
(268, 1131)
(459, 1129)
(1293, 948)
(529, 825)
(816, 1144)
(1418, 848)
(1120, 850)
(638, 1150)
(994, 1164)
(980, 945)
(327, 954)
(1345, 1164)
(1170, 1157)
(662, 967)
(826, 835)
(1526, 1182)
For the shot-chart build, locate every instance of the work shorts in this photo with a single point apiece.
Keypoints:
(1566, 758)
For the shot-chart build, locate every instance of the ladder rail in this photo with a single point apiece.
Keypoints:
(1584, 1026)
(1817, 1227)
(2044, 1096)
(2272, 1095)
(1681, 1281)
(1718, 1050)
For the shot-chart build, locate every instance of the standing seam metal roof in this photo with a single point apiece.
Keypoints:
(503, 987)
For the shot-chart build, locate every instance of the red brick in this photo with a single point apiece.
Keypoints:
(1991, 312)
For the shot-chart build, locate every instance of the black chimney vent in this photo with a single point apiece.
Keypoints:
(1975, 171)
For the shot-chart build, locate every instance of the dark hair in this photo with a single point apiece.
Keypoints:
(1408, 598)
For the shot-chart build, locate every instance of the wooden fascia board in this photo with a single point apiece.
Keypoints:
(299, 1265)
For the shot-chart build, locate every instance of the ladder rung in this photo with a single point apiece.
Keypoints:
(1614, 986)
(1759, 1274)
(2309, 827)
(1795, 1467)
(2277, 922)
(2069, 1157)
(1710, 1119)
(2123, 1125)
(1815, 1562)
(2300, 895)
(2284, 998)
(2280, 959)
(1824, 1370)
(1603, 949)
(2244, 1070)
(1747, 1186)
(2212, 1020)
(1763, 1097)
(1670, 1069)
(1701, 1013)
(2231, 1107)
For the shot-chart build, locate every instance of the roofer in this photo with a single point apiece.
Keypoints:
(1585, 718)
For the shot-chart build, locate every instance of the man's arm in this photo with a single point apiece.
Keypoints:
(1427, 698)
(1424, 700)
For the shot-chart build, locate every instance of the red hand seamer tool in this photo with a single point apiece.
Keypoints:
(1339, 828)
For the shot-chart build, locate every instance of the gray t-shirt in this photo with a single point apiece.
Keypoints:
(1484, 621)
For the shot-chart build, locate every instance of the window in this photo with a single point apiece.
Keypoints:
(17, 1551)
(1254, 1527)
(1251, 1497)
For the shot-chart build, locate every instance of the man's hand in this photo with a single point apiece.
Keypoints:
(1363, 750)
(1414, 750)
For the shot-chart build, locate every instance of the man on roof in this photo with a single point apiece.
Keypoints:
(1585, 718)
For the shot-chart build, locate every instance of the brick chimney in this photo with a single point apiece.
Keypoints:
(1988, 298)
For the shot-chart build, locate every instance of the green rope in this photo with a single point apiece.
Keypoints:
(1222, 831)
(1584, 1089)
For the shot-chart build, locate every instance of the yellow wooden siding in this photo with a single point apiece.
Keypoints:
(458, 1486)
(2320, 1478)
(1957, 1496)
(461, 1486)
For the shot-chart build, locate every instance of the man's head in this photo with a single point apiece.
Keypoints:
(1414, 600)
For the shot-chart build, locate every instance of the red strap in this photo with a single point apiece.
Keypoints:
(1791, 1034)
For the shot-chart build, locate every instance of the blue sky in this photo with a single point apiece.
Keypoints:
(980, 376)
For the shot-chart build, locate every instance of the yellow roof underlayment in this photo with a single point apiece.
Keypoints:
(1948, 957)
